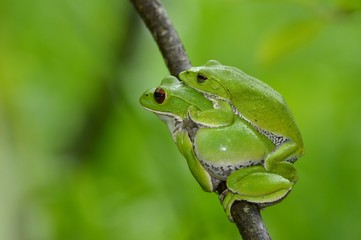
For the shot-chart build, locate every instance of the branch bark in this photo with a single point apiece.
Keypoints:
(246, 215)
(248, 219)
(155, 18)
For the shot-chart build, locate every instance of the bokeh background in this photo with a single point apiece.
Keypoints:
(81, 159)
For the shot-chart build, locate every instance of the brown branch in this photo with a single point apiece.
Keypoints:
(246, 215)
(158, 23)
(248, 219)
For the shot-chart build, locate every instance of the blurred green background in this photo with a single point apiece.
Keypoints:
(81, 159)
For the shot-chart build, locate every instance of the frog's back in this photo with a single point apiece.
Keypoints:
(261, 105)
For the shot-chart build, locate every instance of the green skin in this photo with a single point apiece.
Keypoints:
(218, 145)
(257, 103)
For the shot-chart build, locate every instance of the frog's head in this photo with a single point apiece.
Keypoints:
(207, 78)
(172, 98)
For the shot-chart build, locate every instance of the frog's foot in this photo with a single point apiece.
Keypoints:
(261, 187)
(223, 195)
(287, 170)
(217, 117)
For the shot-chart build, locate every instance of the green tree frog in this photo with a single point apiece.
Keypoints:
(257, 103)
(215, 149)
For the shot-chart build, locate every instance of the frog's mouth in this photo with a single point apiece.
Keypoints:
(176, 123)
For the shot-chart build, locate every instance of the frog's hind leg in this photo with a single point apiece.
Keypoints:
(263, 188)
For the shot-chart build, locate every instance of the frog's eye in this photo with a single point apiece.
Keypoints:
(201, 78)
(159, 95)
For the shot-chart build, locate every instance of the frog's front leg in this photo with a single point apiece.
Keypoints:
(221, 115)
(254, 184)
(185, 146)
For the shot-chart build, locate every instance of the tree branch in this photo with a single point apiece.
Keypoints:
(246, 215)
(158, 23)
(248, 219)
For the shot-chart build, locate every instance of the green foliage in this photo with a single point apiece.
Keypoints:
(80, 159)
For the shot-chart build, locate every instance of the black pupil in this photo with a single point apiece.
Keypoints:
(159, 95)
(201, 78)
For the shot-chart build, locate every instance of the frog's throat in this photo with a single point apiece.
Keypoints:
(174, 122)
